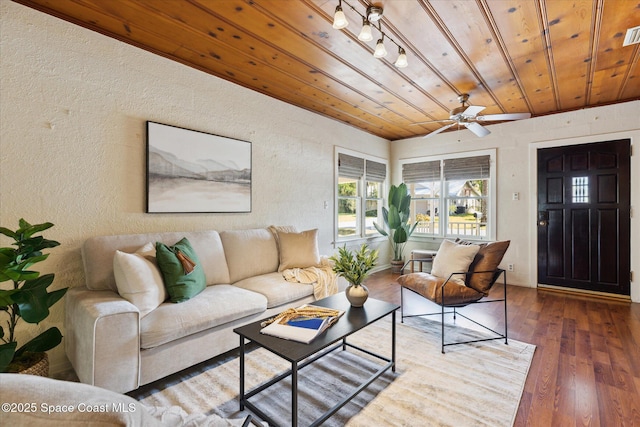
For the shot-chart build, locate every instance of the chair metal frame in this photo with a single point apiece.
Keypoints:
(496, 275)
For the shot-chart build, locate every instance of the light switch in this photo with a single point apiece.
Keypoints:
(516, 196)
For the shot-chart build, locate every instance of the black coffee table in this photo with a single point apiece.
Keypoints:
(301, 355)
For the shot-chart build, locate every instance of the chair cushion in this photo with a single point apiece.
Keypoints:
(487, 259)
(429, 286)
(453, 258)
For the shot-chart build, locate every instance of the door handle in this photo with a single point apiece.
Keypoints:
(543, 218)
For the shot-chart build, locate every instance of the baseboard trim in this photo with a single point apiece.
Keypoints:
(584, 292)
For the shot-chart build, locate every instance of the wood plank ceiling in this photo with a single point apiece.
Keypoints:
(535, 56)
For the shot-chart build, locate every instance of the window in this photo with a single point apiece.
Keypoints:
(359, 196)
(452, 196)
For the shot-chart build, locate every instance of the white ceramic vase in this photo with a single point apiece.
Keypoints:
(357, 294)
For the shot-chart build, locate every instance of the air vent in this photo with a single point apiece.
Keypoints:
(632, 37)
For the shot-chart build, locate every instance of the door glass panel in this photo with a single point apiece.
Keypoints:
(580, 189)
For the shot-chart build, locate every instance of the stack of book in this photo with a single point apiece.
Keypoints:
(302, 324)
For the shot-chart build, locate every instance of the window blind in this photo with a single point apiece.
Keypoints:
(350, 166)
(421, 172)
(466, 168)
(376, 172)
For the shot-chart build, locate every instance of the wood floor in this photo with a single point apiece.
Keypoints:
(586, 367)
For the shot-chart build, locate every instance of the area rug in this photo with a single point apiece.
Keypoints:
(470, 385)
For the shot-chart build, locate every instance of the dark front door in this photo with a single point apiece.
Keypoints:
(584, 216)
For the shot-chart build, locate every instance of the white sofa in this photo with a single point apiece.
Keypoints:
(111, 345)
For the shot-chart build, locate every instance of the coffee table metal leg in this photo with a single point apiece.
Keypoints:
(393, 341)
(294, 394)
(241, 373)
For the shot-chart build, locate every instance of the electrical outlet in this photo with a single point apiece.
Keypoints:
(510, 267)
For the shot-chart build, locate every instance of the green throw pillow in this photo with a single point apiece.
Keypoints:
(183, 275)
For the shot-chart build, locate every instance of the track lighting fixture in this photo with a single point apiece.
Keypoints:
(339, 20)
(365, 33)
(380, 51)
(401, 62)
(372, 16)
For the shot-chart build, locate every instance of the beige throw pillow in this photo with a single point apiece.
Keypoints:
(298, 250)
(453, 258)
(138, 278)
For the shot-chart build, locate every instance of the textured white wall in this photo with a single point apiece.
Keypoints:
(516, 144)
(73, 110)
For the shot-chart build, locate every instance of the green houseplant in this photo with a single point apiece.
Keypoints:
(27, 298)
(396, 219)
(355, 266)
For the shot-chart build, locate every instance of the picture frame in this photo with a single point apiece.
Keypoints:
(190, 171)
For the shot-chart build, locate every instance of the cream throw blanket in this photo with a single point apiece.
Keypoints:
(323, 278)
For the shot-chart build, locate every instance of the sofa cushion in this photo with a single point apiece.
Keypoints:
(98, 252)
(181, 269)
(298, 250)
(453, 258)
(216, 305)
(275, 288)
(138, 278)
(487, 259)
(430, 287)
(249, 253)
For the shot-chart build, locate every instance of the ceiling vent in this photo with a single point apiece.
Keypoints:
(632, 37)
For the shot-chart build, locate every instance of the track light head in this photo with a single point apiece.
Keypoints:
(365, 33)
(339, 20)
(401, 62)
(380, 51)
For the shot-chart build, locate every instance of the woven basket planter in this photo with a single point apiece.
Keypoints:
(40, 368)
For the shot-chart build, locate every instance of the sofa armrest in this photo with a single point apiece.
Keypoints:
(102, 338)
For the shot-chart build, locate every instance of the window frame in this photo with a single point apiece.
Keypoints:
(443, 199)
(361, 198)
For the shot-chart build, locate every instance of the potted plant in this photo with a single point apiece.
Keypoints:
(355, 266)
(27, 298)
(396, 219)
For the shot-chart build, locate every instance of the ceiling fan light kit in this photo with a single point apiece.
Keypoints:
(467, 116)
(372, 15)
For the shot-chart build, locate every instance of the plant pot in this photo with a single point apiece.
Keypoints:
(357, 294)
(35, 364)
(396, 266)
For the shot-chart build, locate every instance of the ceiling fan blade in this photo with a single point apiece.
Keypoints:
(476, 128)
(443, 128)
(512, 116)
(473, 110)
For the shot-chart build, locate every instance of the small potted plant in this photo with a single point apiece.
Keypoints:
(396, 218)
(27, 299)
(355, 266)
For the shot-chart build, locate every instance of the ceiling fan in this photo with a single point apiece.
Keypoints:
(467, 116)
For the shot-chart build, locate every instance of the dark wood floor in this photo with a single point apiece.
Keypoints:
(586, 367)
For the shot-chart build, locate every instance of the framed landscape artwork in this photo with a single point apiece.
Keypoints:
(192, 171)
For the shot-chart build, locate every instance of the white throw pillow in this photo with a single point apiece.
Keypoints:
(138, 278)
(453, 258)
